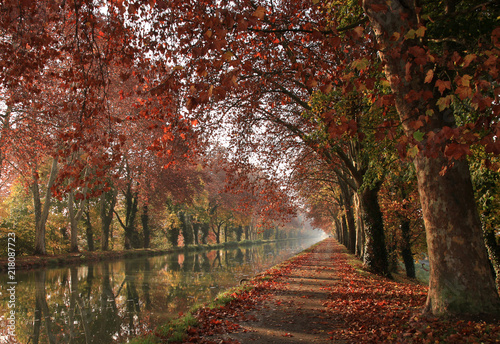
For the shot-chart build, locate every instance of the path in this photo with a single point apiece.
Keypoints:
(294, 312)
(324, 296)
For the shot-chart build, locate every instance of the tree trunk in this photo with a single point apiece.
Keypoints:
(74, 219)
(493, 248)
(360, 228)
(247, 234)
(216, 225)
(130, 232)
(460, 281)
(347, 197)
(375, 252)
(351, 227)
(205, 228)
(186, 228)
(131, 239)
(196, 233)
(338, 229)
(173, 235)
(492, 244)
(145, 225)
(89, 231)
(217, 234)
(239, 233)
(39, 228)
(42, 212)
(344, 235)
(406, 252)
(4, 134)
(106, 213)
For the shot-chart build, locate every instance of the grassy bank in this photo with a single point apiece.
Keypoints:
(177, 330)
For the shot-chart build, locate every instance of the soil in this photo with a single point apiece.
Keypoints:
(292, 310)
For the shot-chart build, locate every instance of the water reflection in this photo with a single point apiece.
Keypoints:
(111, 301)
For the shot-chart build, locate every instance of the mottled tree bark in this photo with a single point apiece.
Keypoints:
(460, 279)
(75, 219)
(375, 253)
(42, 211)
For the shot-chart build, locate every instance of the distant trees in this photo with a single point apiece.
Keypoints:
(183, 204)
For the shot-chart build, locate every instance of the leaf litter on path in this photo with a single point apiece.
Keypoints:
(320, 297)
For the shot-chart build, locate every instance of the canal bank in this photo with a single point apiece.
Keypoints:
(280, 305)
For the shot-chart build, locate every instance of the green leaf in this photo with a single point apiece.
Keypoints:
(410, 34)
(413, 151)
(421, 31)
(419, 136)
(444, 102)
(361, 64)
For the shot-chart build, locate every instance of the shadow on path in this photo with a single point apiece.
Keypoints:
(295, 313)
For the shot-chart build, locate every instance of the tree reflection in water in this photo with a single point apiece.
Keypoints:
(42, 312)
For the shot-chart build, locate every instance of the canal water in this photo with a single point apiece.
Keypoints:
(109, 302)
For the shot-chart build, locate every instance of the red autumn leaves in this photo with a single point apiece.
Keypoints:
(365, 308)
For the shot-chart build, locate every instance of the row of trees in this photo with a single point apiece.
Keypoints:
(81, 131)
(344, 93)
(195, 209)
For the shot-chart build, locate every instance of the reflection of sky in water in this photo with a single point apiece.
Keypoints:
(109, 301)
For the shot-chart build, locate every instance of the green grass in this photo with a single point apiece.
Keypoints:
(227, 296)
(149, 339)
(176, 330)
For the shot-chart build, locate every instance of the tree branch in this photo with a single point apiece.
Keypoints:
(119, 219)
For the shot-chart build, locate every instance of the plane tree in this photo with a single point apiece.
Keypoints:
(438, 57)
(54, 78)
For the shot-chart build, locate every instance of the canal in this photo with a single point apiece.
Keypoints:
(109, 302)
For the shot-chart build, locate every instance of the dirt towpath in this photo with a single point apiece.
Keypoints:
(324, 296)
(292, 309)
(295, 312)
